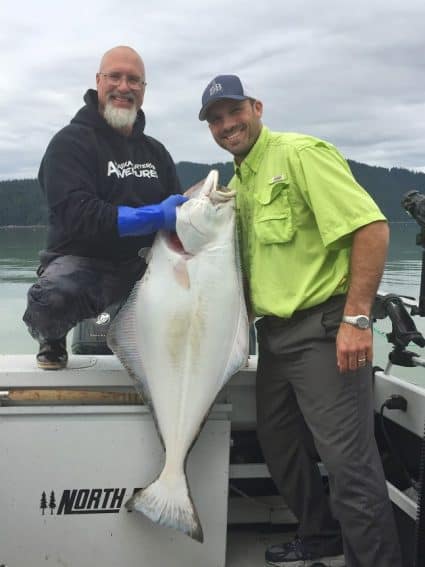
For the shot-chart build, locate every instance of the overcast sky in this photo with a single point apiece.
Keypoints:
(350, 72)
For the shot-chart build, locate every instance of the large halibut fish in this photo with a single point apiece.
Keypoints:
(181, 335)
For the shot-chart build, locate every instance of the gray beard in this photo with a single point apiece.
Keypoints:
(120, 118)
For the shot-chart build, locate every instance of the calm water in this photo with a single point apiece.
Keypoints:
(18, 262)
(19, 259)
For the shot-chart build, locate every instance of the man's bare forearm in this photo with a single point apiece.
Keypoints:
(369, 251)
(354, 347)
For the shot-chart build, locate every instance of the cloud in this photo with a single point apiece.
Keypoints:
(352, 73)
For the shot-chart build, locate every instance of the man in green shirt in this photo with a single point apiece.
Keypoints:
(313, 247)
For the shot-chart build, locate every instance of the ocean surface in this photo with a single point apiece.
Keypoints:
(19, 249)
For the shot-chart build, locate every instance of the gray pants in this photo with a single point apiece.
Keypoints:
(73, 288)
(306, 406)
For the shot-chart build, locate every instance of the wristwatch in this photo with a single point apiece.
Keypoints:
(359, 321)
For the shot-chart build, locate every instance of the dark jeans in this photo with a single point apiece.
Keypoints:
(73, 288)
(306, 406)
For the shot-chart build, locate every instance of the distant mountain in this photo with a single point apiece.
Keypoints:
(387, 186)
(22, 203)
(190, 173)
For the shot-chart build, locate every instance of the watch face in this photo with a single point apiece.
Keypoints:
(359, 321)
(363, 322)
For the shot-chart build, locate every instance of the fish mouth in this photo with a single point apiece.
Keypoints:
(210, 189)
(221, 195)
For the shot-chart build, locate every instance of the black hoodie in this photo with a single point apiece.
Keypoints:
(89, 168)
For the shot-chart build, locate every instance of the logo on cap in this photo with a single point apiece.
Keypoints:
(222, 86)
(215, 88)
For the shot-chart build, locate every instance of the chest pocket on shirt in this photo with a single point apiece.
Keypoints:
(273, 219)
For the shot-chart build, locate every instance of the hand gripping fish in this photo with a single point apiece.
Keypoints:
(181, 335)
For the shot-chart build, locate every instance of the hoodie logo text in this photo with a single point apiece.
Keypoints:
(128, 168)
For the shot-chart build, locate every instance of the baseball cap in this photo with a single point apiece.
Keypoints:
(222, 86)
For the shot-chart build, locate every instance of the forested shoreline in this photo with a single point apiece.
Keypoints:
(22, 202)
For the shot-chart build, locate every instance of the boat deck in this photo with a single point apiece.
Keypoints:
(246, 545)
(250, 530)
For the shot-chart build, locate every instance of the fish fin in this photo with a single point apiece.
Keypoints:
(181, 274)
(167, 502)
(240, 347)
(122, 340)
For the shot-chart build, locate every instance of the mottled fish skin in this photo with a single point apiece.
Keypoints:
(181, 335)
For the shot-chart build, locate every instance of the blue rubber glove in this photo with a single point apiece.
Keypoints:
(135, 221)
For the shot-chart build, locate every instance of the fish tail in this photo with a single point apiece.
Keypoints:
(167, 502)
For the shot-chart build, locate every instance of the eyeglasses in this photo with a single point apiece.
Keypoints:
(134, 82)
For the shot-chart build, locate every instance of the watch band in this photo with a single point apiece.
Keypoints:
(359, 321)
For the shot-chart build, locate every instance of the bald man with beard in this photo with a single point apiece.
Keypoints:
(109, 187)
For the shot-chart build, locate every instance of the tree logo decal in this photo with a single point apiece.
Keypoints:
(82, 501)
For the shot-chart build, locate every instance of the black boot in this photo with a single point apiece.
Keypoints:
(52, 354)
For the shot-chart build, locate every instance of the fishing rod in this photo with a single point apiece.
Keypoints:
(414, 203)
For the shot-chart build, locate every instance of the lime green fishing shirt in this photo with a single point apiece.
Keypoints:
(297, 207)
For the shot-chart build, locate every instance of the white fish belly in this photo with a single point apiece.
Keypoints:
(191, 340)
